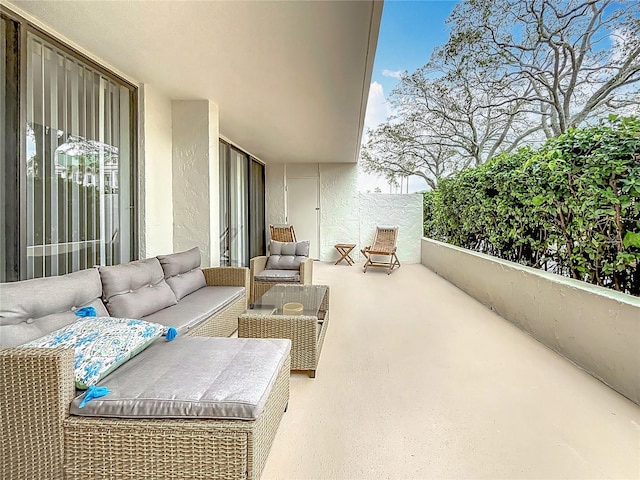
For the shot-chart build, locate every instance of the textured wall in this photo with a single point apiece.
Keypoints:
(347, 216)
(339, 208)
(404, 211)
(274, 193)
(191, 199)
(156, 218)
(596, 328)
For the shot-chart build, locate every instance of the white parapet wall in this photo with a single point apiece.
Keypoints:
(596, 328)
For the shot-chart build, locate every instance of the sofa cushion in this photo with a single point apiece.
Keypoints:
(101, 344)
(287, 255)
(196, 307)
(278, 276)
(182, 272)
(193, 377)
(135, 289)
(32, 308)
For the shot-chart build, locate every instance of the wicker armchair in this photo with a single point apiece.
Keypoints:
(384, 243)
(289, 263)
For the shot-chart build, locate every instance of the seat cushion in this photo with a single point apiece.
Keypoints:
(278, 276)
(182, 272)
(32, 308)
(193, 377)
(196, 307)
(287, 255)
(135, 289)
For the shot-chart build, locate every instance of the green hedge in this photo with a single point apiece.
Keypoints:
(571, 207)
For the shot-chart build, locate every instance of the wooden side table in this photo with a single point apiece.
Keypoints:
(344, 249)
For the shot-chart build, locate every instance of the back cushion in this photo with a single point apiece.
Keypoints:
(287, 255)
(135, 289)
(182, 272)
(33, 308)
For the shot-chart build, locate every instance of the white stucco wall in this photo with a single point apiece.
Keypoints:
(214, 186)
(339, 208)
(404, 211)
(275, 204)
(156, 215)
(347, 216)
(193, 199)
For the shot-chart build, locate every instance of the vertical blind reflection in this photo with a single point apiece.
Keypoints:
(3, 159)
(239, 209)
(77, 161)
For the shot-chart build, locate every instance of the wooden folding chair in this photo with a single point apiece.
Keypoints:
(282, 233)
(384, 243)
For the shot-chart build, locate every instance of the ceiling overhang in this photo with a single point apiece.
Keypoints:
(291, 79)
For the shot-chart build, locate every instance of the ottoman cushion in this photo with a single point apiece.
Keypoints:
(193, 377)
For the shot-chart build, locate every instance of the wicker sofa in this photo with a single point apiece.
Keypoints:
(44, 437)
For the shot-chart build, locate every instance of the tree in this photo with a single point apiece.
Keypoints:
(513, 72)
(581, 58)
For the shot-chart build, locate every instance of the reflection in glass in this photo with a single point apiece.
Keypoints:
(78, 164)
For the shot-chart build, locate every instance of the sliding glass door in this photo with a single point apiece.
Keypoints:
(78, 164)
(241, 206)
(67, 136)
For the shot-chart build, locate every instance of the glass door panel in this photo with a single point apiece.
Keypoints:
(78, 164)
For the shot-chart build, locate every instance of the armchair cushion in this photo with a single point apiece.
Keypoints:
(287, 255)
(182, 272)
(135, 289)
(278, 276)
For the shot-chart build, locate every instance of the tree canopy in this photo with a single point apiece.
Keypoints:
(513, 72)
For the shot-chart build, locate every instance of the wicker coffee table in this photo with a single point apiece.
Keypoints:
(271, 317)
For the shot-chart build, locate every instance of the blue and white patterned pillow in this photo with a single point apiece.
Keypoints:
(101, 344)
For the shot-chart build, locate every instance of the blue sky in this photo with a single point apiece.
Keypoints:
(409, 31)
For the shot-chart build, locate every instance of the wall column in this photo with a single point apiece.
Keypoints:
(195, 132)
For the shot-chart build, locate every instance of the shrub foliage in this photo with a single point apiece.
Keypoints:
(571, 207)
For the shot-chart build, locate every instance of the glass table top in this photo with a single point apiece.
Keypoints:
(272, 302)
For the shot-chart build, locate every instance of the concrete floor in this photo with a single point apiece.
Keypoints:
(417, 380)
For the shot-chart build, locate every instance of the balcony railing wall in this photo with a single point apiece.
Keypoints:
(596, 328)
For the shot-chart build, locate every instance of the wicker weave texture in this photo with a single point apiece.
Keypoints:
(102, 448)
(305, 332)
(301, 330)
(282, 233)
(266, 426)
(259, 288)
(36, 388)
(229, 276)
(384, 243)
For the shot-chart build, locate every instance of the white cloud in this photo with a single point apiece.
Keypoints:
(378, 109)
(392, 73)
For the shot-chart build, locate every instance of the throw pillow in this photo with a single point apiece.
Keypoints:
(101, 344)
(182, 272)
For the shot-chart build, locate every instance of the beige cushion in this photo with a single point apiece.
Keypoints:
(182, 272)
(287, 255)
(193, 377)
(277, 276)
(196, 307)
(32, 308)
(135, 289)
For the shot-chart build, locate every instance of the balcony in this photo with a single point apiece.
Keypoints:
(419, 380)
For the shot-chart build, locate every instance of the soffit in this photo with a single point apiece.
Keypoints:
(291, 79)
